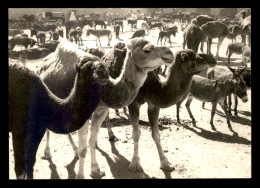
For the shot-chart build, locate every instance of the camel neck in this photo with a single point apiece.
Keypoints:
(122, 91)
(69, 114)
(169, 92)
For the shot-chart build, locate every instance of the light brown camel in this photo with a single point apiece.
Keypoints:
(141, 58)
(215, 29)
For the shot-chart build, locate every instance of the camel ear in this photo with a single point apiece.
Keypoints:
(198, 57)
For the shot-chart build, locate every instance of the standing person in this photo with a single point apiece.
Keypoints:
(116, 29)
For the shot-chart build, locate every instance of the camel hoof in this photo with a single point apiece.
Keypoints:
(213, 128)
(47, 155)
(168, 167)
(135, 167)
(117, 113)
(97, 175)
(113, 139)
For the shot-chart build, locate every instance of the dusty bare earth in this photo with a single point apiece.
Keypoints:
(196, 152)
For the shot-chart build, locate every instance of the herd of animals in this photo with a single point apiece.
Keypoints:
(72, 85)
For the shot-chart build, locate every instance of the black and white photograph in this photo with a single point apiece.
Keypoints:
(129, 93)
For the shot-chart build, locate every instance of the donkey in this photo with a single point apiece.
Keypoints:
(100, 33)
(167, 34)
(215, 91)
(218, 73)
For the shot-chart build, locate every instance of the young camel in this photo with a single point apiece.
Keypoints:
(160, 94)
(141, 57)
(33, 108)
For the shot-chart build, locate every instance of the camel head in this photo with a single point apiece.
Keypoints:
(192, 63)
(91, 65)
(147, 56)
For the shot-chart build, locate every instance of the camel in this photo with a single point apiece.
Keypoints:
(160, 94)
(193, 36)
(215, 29)
(246, 29)
(141, 57)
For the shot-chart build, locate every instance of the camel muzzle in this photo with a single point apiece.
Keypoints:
(244, 99)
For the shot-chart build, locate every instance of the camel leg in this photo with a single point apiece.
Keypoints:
(209, 45)
(47, 151)
(189, 100)
(111, 136)
(99, 42)
(97, 119)
(136, 133)
(229, 104)
(31, 147)
(213, 110)
(158, 40)
(153, 114)
(236, 102)
(73, 145)
(220, 39)
(82, 149)
(18, 148)
(184, 43)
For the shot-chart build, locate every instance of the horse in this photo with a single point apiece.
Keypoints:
(100, 33)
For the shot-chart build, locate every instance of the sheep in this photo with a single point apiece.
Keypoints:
(29, 54)
(215, 91)
(19, 40)
(33, 108)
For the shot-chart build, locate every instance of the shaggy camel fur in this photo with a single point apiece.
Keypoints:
(215, 29)
(160, 94)
(33, 108)
(141, 58)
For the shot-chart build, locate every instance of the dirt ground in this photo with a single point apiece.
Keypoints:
(196, 152)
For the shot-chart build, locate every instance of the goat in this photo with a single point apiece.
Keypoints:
(215, 91)
(33, 108)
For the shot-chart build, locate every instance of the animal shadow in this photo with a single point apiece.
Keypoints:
(236, 119)
(53, 168)
(119, 167)
(70, 168)
(217, 136)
